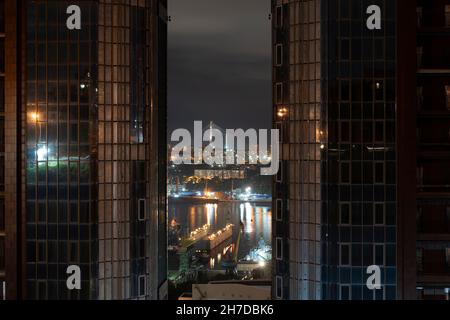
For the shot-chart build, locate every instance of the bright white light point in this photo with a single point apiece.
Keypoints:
(42, 153)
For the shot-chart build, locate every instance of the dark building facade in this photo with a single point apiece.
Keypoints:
(351, 193)
(85, 143)
(2, 150)
(432, 81)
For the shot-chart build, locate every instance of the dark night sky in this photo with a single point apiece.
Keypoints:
(219, 63)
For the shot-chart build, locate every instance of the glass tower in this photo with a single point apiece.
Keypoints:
(93, 124)
(335, 196)
(432, 83)
(2, 151)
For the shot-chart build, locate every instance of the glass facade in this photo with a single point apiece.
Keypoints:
(359, 211)
(89, 106)
(61, 153)
(338, 120)
(138, 54)
(433, 139)
(2, 150)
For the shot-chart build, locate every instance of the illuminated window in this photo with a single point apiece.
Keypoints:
(282, 113)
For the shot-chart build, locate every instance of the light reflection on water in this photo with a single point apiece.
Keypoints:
(257, 221)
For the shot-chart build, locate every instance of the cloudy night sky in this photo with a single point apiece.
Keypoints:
(219, 63)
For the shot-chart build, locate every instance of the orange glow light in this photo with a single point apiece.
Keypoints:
(282, 112)
(34, 116)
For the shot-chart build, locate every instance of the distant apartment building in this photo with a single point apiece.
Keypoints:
(222, 174)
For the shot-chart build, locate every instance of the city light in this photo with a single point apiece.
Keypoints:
(200, 232)
(34, 116)
(210, 195)
(227, 228)
(282, 112)
(42, 153)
